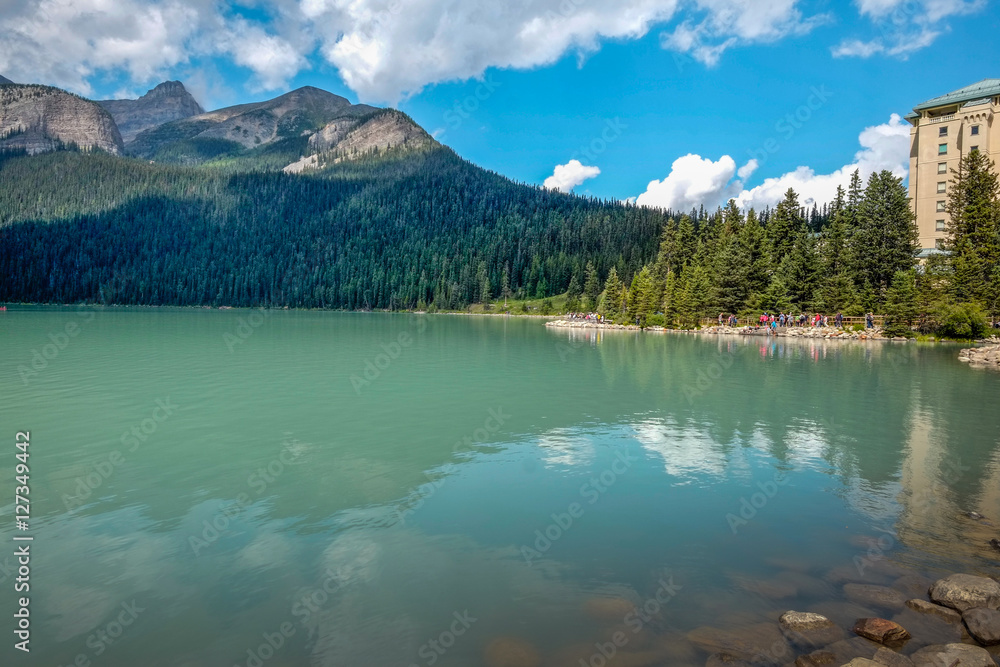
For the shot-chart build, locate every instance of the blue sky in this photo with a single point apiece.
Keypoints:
(626, 87)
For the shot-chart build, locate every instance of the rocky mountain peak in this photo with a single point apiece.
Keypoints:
(40, 118)
(4, 80)
(168, 101)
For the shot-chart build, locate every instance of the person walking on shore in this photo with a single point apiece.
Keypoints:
(840, 320)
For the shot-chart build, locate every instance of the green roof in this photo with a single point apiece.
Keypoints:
(977, 91)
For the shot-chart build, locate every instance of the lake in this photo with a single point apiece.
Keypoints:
(225, 487)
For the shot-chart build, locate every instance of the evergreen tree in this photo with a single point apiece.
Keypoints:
(886, 240)
(974, 231)
(800, 270)
(611, 302)
(784, 227)
(901, 305)
(754, 242)
(573, 294)
(591, 288)
(670, 304)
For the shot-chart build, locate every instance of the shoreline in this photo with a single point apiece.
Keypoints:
(811, 333)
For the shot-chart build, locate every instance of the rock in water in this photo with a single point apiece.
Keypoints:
(881, 630)
(889, 658)
(875, 596)
(511, 652)
(808, 629)
(925, 607)
(983, 625)
(975, 515)
(995, 543)
(965, 591)
(951, 655)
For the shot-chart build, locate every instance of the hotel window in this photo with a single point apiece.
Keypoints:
(942, 188)
(940, 207)
(942, 149)
(939, 226)
(975, 130)
(943, 132)
(974, 148)
(942, 167)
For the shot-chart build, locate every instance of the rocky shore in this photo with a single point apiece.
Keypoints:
(829, 333)
(981, 357)
(910, 622)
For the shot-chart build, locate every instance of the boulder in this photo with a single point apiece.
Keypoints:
(889, 658)
(838, 653)
(726, 660)
(761, 642)
(808, 629)
(862, 662)
(881, 630)
(925, 607)
(965, 591)
(815, 659)
(511, 652)
(875, 596)
(608, 609)
(952, 655)
(983, 625)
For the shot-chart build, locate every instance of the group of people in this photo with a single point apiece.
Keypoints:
(771, 321)
(587, 317)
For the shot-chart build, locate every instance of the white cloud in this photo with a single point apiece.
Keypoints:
(885, 146)
(568, 176)
(727, 23)
(903, 26)
(383, 49)
(693, 181)
(696, 181)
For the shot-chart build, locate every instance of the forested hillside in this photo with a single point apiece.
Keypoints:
(400, 230)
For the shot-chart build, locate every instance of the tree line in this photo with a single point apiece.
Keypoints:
(426, 229)
(863, 259)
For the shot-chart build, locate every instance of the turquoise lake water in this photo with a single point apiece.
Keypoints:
(304, 488)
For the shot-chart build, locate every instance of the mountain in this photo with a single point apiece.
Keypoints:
(166, 102)
(305, 200)
(291, 118)
(4, 80)
(36, 119)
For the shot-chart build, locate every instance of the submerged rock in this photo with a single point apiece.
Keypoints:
(762, 642)
(881, 630)
(511, 652)
(889, 658)
(965, 591)
(838, 653)
(950, 655)
(983, 625)
(608, 609)
(808, 629)
(875, 596)
(925, 607)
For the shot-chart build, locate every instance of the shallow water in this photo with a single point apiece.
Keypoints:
(482, 478)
